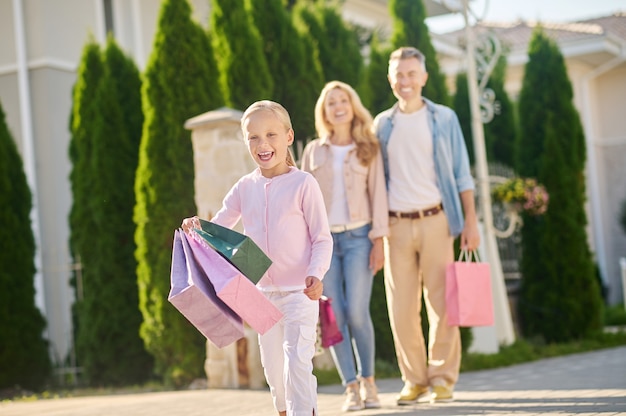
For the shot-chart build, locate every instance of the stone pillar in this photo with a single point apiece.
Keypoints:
(220, 159)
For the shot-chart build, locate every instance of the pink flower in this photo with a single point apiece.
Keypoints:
(525, 194)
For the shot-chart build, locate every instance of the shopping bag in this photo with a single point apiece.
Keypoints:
(236, 290)
(468, 292)
(330, 332)
(194, 296)
(237, 248)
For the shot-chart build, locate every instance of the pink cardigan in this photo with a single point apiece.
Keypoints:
(286, 217)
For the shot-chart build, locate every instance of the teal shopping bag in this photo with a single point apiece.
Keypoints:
(238, 249)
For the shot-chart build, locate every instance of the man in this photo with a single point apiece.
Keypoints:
(429, 188)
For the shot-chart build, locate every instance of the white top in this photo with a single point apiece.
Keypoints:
(412, 178)
(338, 213)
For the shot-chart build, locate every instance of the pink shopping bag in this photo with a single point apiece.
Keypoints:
(468, 292)
(193, 295)
(236, 290)
(330, 332)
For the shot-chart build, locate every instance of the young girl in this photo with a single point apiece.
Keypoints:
(282, 210)
(347, 163)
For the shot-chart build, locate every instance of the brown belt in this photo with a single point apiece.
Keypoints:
(428, 212)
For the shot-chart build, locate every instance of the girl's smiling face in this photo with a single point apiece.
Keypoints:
(268, 142)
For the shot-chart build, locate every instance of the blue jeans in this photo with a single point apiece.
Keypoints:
(348, 283)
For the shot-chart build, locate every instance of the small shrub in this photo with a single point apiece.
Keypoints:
(615, 315)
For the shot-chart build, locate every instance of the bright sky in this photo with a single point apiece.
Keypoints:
(545, 10)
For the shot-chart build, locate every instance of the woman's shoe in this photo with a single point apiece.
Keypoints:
(369, 394)
(353, 399)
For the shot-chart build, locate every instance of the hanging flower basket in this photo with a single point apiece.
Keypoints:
(522, 195)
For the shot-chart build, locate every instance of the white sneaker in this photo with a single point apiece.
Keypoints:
(353, 399)
(369, 394)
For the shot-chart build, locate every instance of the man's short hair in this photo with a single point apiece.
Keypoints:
(406, 52)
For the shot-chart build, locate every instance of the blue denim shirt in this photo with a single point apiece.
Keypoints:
(451, 159)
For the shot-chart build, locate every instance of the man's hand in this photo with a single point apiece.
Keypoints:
(314, 287)
(470, 237)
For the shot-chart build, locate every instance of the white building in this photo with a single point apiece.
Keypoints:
(40, 46)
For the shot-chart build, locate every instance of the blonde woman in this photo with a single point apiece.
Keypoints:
(346, 161)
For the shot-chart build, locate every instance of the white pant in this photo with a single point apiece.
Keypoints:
(287, 351)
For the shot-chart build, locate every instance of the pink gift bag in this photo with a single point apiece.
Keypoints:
(330, 332)
(468, 292)
(236, 290)
(193, 295)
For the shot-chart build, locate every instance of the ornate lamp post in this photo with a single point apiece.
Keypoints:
(482, 56)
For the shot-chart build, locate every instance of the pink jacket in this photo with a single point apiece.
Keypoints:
(365, 185)
(285, 216)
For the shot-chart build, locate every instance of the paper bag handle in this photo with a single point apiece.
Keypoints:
(466, 255)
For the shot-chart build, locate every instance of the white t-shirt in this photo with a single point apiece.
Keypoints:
(338, 213)
(412, 178)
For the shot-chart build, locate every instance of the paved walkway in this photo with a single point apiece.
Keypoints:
(591, 383)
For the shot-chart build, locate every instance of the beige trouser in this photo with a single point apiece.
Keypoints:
(416, 254)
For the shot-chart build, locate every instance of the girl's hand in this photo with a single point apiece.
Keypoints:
(314, 287)
(190, 223)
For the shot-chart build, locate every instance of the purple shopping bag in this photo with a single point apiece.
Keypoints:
(236, 290)
(194, 296)
(468, 293)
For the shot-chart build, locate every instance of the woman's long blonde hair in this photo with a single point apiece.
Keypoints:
(362, 124)
(281, 114)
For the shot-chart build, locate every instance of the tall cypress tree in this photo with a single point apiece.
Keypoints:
(460, 103)
(376, 91)
(500, 132)
(111, 351)
(82, 181)
(337, 43)
(24, 356)
(312, 80)
(296, 82)
(90, 72)
(409, 29)
(560, 296)
(180, 82)
(344, 62)
(244, 72)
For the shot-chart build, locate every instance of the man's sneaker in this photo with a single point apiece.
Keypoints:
(369, 394)
(353, 399)
(412, 393)
(441, 394)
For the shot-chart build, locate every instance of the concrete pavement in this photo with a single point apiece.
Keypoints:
(592, 383)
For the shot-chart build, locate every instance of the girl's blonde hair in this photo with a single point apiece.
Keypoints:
(362, 124)
(281, 114)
